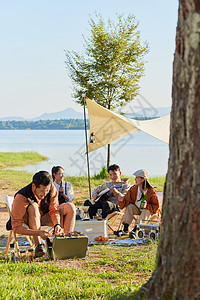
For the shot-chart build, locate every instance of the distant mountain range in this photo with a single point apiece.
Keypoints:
(70, 113)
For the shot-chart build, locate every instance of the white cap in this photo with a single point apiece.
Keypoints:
(142, 173)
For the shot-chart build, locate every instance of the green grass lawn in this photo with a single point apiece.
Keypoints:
(14, 159)
(109, 271)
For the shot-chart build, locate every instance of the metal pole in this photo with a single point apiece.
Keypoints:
(86, 143)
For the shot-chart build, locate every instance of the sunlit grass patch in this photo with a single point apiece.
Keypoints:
(13, 180)
(109, 271)
(15, 159)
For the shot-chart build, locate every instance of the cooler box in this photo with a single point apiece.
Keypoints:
(92, 228)
(67, 246)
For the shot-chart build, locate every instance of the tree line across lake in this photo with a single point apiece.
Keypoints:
(63, 124)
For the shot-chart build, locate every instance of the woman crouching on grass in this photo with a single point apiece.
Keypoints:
(65, 195)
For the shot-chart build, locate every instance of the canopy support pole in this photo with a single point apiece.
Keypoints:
(86, 143)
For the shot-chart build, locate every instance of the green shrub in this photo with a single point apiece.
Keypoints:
(102, 174)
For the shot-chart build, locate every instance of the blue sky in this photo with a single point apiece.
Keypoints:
(34, 35)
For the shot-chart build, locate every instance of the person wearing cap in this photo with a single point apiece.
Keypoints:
(141, 200)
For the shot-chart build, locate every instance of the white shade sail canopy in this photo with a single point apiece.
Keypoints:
(107, 126)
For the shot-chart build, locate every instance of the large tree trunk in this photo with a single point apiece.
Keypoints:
(177, 275)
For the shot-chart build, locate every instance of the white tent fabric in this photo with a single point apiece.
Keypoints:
(107, 127)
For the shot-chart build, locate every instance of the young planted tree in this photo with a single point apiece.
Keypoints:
(177, 275)
(113, 62)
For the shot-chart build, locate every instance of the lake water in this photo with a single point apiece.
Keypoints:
(67, 148)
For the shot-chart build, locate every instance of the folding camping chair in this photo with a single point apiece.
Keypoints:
(116, 220)
(12, 236)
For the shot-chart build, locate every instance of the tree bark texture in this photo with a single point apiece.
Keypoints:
(177, 275)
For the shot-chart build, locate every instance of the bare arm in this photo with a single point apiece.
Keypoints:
(53, 207)
(42, 233)
(117, 193)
